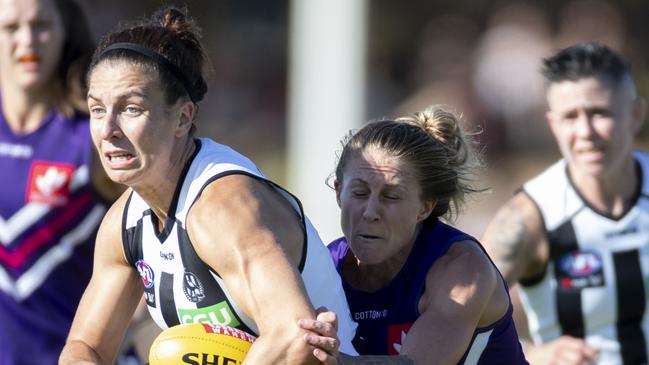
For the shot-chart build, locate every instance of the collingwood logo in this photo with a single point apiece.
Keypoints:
(193, 288)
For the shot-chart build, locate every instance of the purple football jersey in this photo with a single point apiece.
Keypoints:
(49, 214)
(385, 316)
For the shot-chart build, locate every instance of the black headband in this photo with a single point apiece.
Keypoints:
(158, 58)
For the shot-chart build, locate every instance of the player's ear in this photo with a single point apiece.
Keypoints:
(426, 209)
(551, 119)
(186, 115)
(337, 187)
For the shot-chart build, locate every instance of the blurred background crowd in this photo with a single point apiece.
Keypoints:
(481, 58)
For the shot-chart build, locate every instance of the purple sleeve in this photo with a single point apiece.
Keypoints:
(338, 249)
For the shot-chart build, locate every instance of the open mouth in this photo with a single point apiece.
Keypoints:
(119, 156)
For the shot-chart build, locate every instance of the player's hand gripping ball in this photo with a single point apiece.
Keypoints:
(200, 343)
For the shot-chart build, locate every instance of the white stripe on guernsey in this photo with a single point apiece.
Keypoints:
(21, 220)
(34, 277)
(31, 213)
(478, 345)
(80, 177)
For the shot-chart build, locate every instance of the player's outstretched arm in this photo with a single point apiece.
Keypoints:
(109, 300)
(252, 238)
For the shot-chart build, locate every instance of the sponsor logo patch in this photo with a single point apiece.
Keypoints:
(146, 273)
(580, 269)
(624, 232)
(370, 314)
(219, 313)
(16, 150)
(168, 256)
(195, 358)
(49, 183)
(396, 335)
(228, 331)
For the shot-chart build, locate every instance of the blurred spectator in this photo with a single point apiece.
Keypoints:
(441, 69)
(507, 81)
(590, 20)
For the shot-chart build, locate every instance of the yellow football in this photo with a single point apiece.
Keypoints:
(200, 344)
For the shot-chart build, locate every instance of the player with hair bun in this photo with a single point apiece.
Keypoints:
(201, 233)
(420, 289)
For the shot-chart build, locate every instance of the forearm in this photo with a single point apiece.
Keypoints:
(344, 359)
(274, 349)
(79, 353)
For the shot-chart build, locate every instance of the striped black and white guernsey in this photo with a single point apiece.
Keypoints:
(595, 284)
(180, 288)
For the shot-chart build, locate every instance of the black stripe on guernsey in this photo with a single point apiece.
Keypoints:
(171, 212)
(130, 246)
(301, 216)
(167, 303)
(563, 241)
(192, 263)
(129, 236)
(630, 307)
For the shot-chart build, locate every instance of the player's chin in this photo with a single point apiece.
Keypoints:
(124, 177)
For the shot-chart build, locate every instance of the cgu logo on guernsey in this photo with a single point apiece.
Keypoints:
(219, 313)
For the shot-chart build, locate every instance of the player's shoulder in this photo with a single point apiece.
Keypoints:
(467, 252)
(231, 193)
(464, 272)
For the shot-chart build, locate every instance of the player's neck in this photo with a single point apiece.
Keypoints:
(610, 193)
(372, 277)
(159, 189)
(24, 110)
